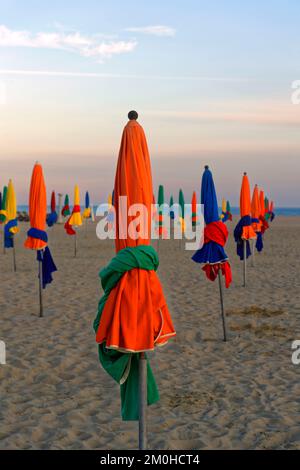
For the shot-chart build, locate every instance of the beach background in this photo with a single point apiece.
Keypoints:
(243, 394)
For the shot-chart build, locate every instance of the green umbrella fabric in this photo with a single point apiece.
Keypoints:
(172, 214)
(160, 201)
(124, 367)
(3, 206)
(181, 202)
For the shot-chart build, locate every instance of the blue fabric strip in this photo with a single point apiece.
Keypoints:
(38, 234)
(8, 236)
(238, 231)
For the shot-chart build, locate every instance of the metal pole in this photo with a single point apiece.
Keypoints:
(75, 245)
(222, 305)
(41, 287)
(245, 262)
(253, 251)
(14, 257)
(142, 402)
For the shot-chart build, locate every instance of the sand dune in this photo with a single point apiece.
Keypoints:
(241, 394)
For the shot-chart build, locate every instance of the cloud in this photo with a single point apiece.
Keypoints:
(67, 74)
(86, 46)
(158, 30)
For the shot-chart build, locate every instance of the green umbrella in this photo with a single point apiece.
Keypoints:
(160, 201)
(3, 206)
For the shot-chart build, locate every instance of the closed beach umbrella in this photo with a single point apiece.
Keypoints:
(224, 216)
(181, 210)
(133, 316)
(256, 224)
(75, 218)
(3, 206)
(87, 209)
(66, 209)
(272, 214)
(11, 222)
(194, 209)
(52, 217)
(212, 255)
(262, 218)
(37, 238)
(228, 211)
(160, 201)
(244, 232)
(172, 214)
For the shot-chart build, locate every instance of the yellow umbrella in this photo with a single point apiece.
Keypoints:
(11, 223)
(224, 208)
(76, 218)
(11, 207)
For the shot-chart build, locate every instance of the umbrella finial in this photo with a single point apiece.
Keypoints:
(133, 115)
(245, 173)
(206, 167)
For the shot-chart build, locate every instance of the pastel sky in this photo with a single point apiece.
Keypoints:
(212, 82)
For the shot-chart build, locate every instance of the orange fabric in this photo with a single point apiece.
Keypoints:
(262, 203)
(255, 209)
(245, 204)
(194, 207)
(134, 180)
(245, 207)
(37, 207)
(135, 317)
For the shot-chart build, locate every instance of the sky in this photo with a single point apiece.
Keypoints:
(211, 81)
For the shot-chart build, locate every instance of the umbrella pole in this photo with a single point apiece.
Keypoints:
(245, 262)
(41, 287)
(222, 305)
(253, 251)
(142, 402)
(14, 257)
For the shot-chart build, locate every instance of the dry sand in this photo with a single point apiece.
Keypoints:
(241, 394)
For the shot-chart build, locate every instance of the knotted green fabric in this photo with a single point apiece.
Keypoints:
(124, 367)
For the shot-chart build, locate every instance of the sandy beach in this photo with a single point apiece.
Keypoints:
(243, 394)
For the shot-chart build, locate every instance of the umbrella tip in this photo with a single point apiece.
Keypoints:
(206, 167)
(132, 115)
(245, 173)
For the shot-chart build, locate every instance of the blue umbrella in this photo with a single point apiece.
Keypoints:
(212, 255)
(87, 200)
(212, 251)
